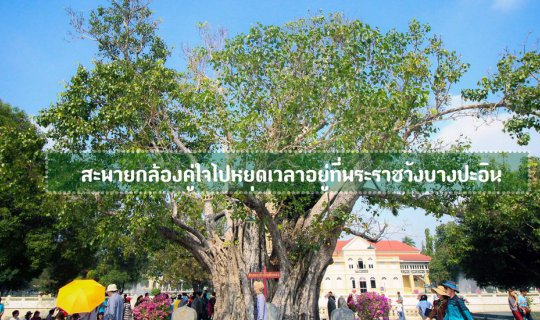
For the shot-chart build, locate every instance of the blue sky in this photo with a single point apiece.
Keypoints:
(37, 55)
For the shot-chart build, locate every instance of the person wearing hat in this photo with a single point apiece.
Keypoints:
(439, 305)
(456, 308)
(115, 304)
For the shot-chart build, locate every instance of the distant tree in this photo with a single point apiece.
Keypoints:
(21, 179)
(499, 233)
(408, 240)
(446, 258)
(428, 244)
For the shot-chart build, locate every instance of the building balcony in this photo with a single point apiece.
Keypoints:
(361, 271)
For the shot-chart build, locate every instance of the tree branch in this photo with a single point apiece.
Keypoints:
(365, 235)
(439, 115)
(194, 248)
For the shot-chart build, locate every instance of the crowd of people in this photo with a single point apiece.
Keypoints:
(116, 306)
(446, 306)
(519, 304)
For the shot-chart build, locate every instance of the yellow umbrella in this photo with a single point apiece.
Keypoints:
(80, 296)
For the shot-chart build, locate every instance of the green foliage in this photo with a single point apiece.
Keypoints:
(516, 84)
(449, 244)
(174, 264)
(154, 292)
(428, 247)
(500, 233)
(21, 193)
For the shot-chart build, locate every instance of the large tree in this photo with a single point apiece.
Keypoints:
(322, 83)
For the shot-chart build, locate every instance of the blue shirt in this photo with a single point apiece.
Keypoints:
(1, 307)
(522, 301)
(115, 308)
(423, 305)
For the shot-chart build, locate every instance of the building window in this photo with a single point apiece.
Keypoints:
(327, 279)
(338, 279)
(353, 283)
(351, 264)
(363, 285)
(361, 264)
(373, 283)
(370, 266)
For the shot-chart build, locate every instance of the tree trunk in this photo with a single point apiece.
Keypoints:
(296, 295)
(231, 264)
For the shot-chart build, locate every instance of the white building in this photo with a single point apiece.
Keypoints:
(385, 266)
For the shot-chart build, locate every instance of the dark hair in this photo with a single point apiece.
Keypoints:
(15, 312)
(100, 314)
(423, 297)
(523, 290)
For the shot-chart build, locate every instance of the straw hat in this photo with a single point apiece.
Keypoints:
(439, 290)
(112, 287)
(258, 286)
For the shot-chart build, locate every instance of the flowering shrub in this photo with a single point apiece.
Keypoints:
(371, 306)
(159, 308)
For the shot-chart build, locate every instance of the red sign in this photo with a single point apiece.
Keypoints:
(264, 275)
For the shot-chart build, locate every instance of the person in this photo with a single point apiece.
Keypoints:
(14, 315)
(399, 306)
(439, 304)
(211, 305)
(399, 310)
(115, 304)
(350, 302)
(36, 316)
(50, 315)
(140, 299)
(456, 308)
(28, 315)
(100, 316)
(342, 309)
(331, 305)
(1, 308)
(524, 305)
(513, 304)
(198, 305)
(260, 301)
(60, 315)
(205, 300)
(128, 313)
(184, 300)
(399, 298)
(424, 307)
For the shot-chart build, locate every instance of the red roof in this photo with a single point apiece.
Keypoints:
(393, 245)
(340, 244)
(388, 248)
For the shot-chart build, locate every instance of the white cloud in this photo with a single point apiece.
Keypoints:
(487, 135)
(506, 5)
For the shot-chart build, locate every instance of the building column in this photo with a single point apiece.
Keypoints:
(427, 281)
(411, 282)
